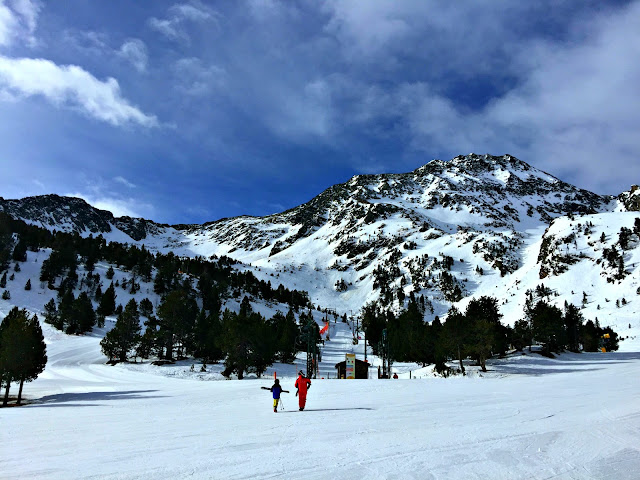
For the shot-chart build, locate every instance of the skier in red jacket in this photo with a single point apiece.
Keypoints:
(302, 384)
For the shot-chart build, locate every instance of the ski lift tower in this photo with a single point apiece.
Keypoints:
(384, 351)
(309, 336)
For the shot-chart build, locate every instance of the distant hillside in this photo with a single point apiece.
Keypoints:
(447, 231)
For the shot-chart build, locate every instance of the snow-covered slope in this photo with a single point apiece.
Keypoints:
(575, 417)
(486, 225)
(86, 419)
(447, 231)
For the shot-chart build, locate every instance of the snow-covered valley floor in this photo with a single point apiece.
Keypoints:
(575, 417)
(529, 417)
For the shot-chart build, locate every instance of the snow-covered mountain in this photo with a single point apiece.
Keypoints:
(448, 231)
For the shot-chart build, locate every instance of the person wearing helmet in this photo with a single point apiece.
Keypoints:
(302, 384)
(276, 389)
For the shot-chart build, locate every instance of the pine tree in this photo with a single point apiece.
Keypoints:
(573, 321)
(484, 319)
(3, 280)
(110, 273)
(235, 345)
(263, 342)
(125, 335)
(206, 337)
(522, 334)
(6, 295)
(20, 251)
(177, 316)
(247, 340)
(146, 307)
(27, 286)
(66, 319)
(620, 274)
(286, 331)
(22, 350)
(455, 331)
(35, 358)
(107, 301)
(146, 344)
(373, 323)
(624, 237)
(589, 336)
(440, 354)
(408, 338)
(133, 286)
(83, 311)
(51, 314)
(547, 326)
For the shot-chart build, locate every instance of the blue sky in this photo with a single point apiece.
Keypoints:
(186, 112)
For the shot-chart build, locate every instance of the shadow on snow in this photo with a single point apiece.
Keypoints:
(327, 409)
(564, 363)
(63, 399)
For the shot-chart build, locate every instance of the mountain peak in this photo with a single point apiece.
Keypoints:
(374, 234)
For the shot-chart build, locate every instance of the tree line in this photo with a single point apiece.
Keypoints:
(188, 320)
(70, 250)
(246, 340)
(478, 333)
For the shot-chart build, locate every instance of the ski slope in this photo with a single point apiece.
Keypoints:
(529, 417)
(575, 417)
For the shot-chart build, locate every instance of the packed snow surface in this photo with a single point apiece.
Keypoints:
(574, 417)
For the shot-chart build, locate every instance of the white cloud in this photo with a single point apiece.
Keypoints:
(124, 182)
(196, 78)
(579, 103)
(8, 24)
(169, 28)
(367, 27)
(29, 11)
(18, 21)
(98, 44)
(120, 207)
(269, 11)
(70, 86)
(173, 27)
(135, 52)
(301, 114)
(572, 109)
(195, 11)
(89, 43)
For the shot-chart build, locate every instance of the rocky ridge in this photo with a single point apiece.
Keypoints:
(435, 232)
